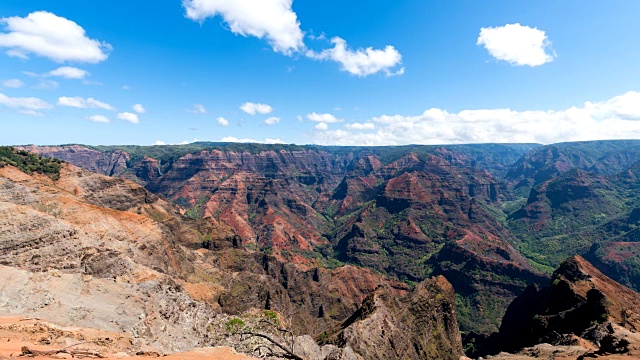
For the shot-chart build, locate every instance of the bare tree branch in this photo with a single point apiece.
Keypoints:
(284, 330)
(288, 353)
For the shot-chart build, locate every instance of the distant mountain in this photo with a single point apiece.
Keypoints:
(583, 199)
(599, 157)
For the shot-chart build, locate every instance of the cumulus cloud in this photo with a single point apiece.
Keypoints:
(322, 126)
(276, 21)
(323, 118)
(272, 121)
(249, 140)
(45, 34)
(361, 62)
(222, 122)
(517, 44)
(253, 108)
(98, 119)
(138, 108)
(358, 126)
(29, 103)
(13, 83)
(197, 109)
(69, 72)
(270, 19)
(128, 117)
(82, 103)
(616, 118)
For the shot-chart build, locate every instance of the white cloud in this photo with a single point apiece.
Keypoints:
(270, 19)
(276, 21)
(139, 109)
(32, 113)
(322, 126)
(128, 117)
(253, 108)
(222, 121)
(82, 103)
(324, 118)
(126, 87)
(197, 109)
(361, 62)
(47, 85)
(30, 103)
(95, 83)
(160, 142)
(249, 140)
(13, 83)
(272, 120)
(616, 118)
(18, 54)
(358, 126)
(45, 34)
(98, 119)
(69, 72)
(516, 44)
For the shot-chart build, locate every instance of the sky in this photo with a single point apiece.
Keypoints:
(331, 72)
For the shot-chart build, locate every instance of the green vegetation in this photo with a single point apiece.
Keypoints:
(234, 325)
(272, 316)
(323, 337)
(30, 163)
(195, 212)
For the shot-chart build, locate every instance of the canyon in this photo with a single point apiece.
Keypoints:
(335, 240)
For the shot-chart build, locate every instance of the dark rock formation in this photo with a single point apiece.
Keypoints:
(580, 303)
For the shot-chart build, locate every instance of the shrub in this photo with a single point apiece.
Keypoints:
(235, 325)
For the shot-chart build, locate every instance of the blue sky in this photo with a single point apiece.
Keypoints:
(437, 71)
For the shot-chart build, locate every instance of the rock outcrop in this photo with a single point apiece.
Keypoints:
(420, 325)
(580, 307)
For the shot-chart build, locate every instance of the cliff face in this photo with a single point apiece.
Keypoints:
(110, 164)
